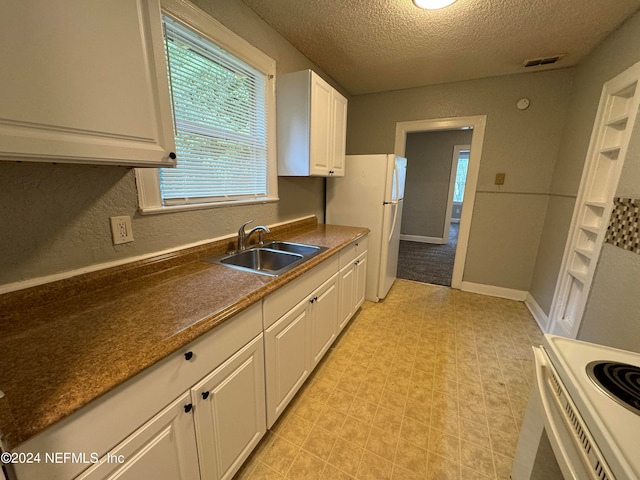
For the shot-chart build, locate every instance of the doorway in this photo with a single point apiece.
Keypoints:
(440, 237)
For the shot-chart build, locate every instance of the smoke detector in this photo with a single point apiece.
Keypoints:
(535, 62)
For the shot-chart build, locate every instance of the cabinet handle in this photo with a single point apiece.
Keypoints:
(188, 355)
(205, 395)
(312, 300)
(188, 407)
(172, 155)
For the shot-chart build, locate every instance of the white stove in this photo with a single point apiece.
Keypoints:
(591, 434)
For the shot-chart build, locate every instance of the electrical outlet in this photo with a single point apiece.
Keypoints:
(121, 229)
(500, 178)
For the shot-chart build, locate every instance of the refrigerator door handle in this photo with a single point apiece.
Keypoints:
(393, 223)
(396, 174)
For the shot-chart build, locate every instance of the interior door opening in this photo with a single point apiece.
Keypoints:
(439, 196)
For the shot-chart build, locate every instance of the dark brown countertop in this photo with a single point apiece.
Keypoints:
(66, 343)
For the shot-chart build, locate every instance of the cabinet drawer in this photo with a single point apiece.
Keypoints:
(287, 297)
(103, 423)
(362, 245)
(352, 251)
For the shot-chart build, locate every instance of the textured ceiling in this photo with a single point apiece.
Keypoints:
(379, 45)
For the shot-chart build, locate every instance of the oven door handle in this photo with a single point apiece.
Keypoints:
(562, 455)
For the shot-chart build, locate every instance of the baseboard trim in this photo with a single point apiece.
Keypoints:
(494, 291)
(422, 239)
(539, 316)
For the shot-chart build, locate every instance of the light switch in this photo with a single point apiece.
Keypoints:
(500, 178)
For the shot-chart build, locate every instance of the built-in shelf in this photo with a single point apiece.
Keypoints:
(618, 122)
(615, 120)
(596, 204)
(584, 252)
(579, 276)
(590, 229)
(627, 92)
(611, 152)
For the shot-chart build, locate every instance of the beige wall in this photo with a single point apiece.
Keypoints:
(429, 159)
(611, 57)
(56, 218)
(507, 220)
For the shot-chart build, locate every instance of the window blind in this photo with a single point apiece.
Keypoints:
(220, 122)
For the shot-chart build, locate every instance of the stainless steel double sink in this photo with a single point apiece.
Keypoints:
(274, 258)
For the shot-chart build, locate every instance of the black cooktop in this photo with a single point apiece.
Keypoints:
(620, 381)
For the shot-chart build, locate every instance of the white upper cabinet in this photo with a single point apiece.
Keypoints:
(340, 134)
(312, 126)
(84, 82)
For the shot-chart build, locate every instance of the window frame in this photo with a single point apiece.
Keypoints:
(148, 179)
(460, 151)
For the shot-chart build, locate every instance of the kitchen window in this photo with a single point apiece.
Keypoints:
(223, 110)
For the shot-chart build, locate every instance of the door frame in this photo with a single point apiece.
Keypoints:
(478, 124)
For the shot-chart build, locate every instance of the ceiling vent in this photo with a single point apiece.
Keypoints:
(535, 62)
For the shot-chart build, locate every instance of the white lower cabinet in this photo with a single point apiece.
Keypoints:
(288, 358)
(158, 425)
(301, 323)
(324, 318)
(361, 280)
(352, 280)
(347, 294)
(200, 412)
(163, 449)
(215, 426)
(229, 412)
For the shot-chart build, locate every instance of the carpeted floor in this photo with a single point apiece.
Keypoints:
(428, 262)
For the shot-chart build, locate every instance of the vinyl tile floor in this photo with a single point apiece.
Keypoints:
(431, 383)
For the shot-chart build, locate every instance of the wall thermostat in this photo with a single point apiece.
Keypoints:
(523, 104)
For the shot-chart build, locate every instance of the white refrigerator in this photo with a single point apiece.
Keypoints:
(370, 195)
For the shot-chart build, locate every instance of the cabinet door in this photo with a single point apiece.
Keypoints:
(347, 284)
(163, 449)
(288, 358)
(324, 318)
(87, 83)
(339, 144)
(321, 126)
(361, 280)
(230, 412)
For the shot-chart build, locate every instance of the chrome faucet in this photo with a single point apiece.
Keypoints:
(243, 236)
